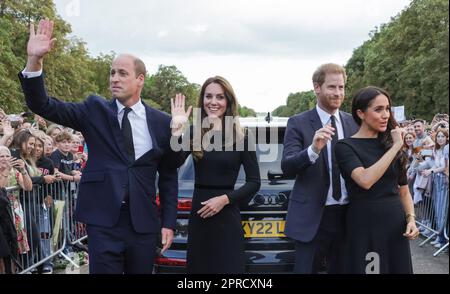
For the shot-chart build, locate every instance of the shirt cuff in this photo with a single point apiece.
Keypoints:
(312, 155)
(31, 74)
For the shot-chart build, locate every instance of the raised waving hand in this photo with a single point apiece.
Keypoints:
(180, 116)
(39, 44)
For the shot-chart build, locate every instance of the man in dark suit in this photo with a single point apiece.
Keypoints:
(128, 144)
(317, 204)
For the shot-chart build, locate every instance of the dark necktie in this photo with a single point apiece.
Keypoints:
(335, 175)
(127, 134)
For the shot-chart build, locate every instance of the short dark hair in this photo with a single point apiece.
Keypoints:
(418, 120)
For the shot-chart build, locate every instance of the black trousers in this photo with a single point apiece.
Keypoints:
(120, 250)
(325, 252)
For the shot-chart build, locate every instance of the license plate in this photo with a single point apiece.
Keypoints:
(263, 229)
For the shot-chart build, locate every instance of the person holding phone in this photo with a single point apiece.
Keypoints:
(12, 237)
(439, 191)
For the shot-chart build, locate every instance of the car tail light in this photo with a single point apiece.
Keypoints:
(170, 261)
(184, 204)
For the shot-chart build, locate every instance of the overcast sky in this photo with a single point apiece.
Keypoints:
(265, 48)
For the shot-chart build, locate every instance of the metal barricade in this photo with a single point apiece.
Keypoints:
(76, 232)
(446, 244)
(432, 211)
(45, 224)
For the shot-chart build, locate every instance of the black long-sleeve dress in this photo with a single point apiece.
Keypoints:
(375, 217)
(8, 235)
(216, 244)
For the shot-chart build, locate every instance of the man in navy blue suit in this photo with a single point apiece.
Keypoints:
(316, 211)
(129, 143)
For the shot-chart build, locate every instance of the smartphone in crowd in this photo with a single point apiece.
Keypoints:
(426, 152)
(15, 153)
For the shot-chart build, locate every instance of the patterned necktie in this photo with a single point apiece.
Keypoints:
(335, 175)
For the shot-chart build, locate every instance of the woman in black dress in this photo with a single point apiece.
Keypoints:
(380, 216)
(215, 235)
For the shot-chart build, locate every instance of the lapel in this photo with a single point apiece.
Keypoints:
(151, 123)
(118, 136)
(316, 124)
(117, 133)
(345, 125)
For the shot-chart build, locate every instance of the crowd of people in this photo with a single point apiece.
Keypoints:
(426, 145)
(33, 156)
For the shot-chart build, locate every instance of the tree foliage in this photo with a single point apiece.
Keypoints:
(409, 57)
(296, 103)
(70, 72)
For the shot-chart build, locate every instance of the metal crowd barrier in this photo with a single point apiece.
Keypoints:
(44, 223)
(432, 212)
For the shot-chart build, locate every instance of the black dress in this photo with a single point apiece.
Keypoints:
(216, 244)
(375, 217)
(8, 235)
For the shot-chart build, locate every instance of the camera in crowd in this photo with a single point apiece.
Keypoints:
(15, 120)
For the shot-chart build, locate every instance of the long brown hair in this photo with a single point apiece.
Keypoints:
(445, 133)
(231, 111)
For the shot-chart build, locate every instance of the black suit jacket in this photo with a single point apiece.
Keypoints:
(109, 173)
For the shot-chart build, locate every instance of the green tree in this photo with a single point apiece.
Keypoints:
(246, 112)
(165, 84)
(10, 91)
(70, 72)
(100, 67)
(296, 103)
(409, 58)
(67, 71)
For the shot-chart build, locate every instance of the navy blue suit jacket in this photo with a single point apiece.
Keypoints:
(109, 173)
(312, 182)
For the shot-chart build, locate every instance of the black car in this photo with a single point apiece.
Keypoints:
(267, 250)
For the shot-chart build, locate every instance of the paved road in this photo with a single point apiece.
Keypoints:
(425, 263)
(422, 257)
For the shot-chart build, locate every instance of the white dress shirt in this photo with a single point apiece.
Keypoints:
(325, 118)
(142, 140)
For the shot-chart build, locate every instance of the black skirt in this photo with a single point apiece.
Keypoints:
(215, 244)
(375, 238)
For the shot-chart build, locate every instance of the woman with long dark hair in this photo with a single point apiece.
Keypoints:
(380, 216)
(215, 235)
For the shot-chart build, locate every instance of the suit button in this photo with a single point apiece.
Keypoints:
(124, 186)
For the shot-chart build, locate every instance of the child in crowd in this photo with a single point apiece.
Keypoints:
(63, 159)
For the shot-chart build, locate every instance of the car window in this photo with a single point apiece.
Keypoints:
(269, 159)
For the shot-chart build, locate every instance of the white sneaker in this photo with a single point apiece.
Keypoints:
(427, 233)
(435, 241)
(438, 245)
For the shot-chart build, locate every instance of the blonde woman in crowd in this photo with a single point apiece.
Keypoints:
(13, 239)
